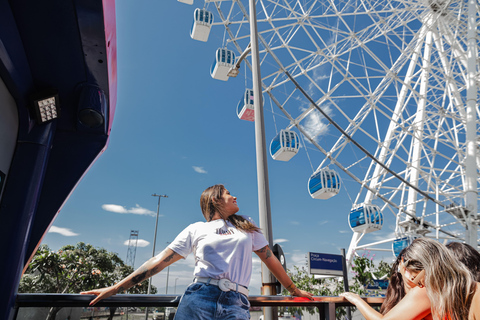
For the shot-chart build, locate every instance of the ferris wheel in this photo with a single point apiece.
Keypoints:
(386, 90)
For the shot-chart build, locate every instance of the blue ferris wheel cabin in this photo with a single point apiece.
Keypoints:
(202, 23)
(224, 61)
(57, 101)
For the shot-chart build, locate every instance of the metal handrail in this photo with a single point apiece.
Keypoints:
(326, 305)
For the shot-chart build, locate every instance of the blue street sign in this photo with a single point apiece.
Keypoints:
(325, 264)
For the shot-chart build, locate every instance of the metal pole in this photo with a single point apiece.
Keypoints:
(168, 275)
(154, 242)
(471, 193)
(345, 281)
(268, 286)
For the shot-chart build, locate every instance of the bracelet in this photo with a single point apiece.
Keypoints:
(291, 288)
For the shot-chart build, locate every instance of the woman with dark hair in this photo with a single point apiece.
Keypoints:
(396, 288)
(223, 247)
(404, 300)
(437, 286)
(467, 255)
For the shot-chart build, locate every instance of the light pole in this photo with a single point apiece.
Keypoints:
(175, 288)
(168, 275)
(268, 287)
(160, 196)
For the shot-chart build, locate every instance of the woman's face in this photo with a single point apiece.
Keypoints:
(412, 278)
(228, 204)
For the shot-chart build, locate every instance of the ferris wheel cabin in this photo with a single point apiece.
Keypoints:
(202, 23)
(245, 109)
(186, 1)
(324, 184)
(366, 218)
(285, 145)
(401, 243)
(224, 61)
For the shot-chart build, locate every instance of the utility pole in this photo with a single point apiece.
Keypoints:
(168, 274)
(160, 196)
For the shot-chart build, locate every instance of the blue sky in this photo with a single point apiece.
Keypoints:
(176, 132)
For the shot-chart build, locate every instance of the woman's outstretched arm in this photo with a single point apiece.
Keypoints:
(415, 305)
(148, 269)
(272, 263)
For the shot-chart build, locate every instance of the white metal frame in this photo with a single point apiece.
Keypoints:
(401, 77)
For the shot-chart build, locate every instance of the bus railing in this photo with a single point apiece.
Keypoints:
(326, 305)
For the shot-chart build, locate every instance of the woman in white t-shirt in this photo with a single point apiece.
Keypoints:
(223, 249)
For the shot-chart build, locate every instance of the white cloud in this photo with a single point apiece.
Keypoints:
(297, 259)
(135, 210)
(296, 223)
(141, 211)
(383, 236)
(314, 123)
(63, 231)
(344, 231)
(323, 222)
(114, 208)
(140, 243)
(199, 169)
(280, 240)
(320, 73)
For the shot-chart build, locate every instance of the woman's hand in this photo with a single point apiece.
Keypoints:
(101, 294)
(301, 293)
(351, 297)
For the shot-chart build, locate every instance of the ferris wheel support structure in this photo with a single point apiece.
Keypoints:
(400, 79)
(418, 124)
(471, 133)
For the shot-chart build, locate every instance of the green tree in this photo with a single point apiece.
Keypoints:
(73, 269)
(365, 271)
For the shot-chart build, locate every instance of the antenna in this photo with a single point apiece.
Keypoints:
(132, 248)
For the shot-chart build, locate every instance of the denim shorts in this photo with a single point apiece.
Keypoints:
(207, 302)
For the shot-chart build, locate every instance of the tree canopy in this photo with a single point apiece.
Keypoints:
(75, 268)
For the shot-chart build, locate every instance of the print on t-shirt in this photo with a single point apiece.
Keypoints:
(223, 232)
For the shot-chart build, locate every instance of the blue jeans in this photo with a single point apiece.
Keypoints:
(207, 302)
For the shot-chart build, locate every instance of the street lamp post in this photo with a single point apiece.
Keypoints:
(268, 287)
(175, 288)
(168, 275)
(160, 196)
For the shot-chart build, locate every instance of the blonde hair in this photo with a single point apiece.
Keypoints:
(450, 286)
(209, 203)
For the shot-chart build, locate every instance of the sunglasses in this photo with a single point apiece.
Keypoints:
(418, 280)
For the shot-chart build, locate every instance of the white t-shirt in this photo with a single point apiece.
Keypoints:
(220, 249)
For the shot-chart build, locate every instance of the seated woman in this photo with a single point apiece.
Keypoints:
(467, 255)
(396, 288)
(435, 282)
